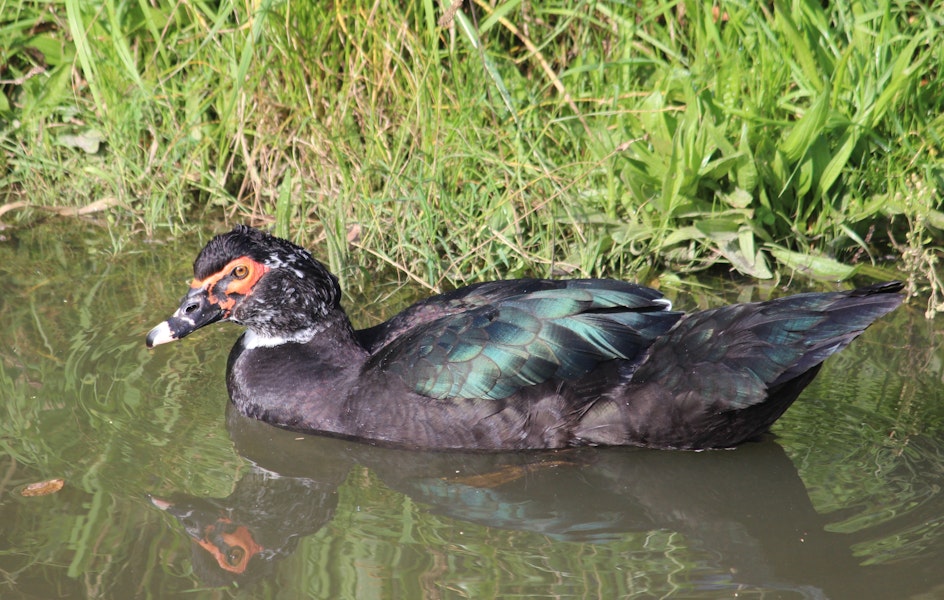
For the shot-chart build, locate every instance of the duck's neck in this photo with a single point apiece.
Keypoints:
(294, 326)
(296, 380)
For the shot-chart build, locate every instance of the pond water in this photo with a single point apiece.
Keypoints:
(168, 494)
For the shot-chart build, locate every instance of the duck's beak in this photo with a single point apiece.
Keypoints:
(196, 310)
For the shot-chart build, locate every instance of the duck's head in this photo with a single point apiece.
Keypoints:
(268, 284)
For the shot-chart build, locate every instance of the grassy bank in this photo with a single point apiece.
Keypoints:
(472, 141)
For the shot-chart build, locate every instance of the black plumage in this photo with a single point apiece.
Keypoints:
(529, 363)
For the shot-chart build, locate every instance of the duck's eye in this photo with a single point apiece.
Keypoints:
(235, 555)
(240, 271)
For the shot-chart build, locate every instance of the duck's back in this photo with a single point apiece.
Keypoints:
(485, 294)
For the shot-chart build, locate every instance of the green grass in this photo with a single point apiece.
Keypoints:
(603, 138)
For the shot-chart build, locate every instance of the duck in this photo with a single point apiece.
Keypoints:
(520, 364)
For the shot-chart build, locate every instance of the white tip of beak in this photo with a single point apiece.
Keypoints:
(160, 335)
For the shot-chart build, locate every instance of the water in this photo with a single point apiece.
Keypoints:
(168, 494)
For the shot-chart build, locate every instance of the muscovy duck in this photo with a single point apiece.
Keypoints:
(517, 364)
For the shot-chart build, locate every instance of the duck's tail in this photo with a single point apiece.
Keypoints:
(723, 376)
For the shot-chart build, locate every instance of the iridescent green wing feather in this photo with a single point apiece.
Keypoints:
(496, 348)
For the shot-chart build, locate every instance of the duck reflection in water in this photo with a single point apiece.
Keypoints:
(747, 510)
(238, 539)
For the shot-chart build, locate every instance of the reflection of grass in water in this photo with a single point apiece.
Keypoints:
(79, 364)
(84, 400)
(382, 541)
(865, 437)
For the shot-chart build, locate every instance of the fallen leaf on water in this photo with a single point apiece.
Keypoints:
(43, 488)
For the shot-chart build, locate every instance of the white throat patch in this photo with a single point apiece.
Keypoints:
(251, 339)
